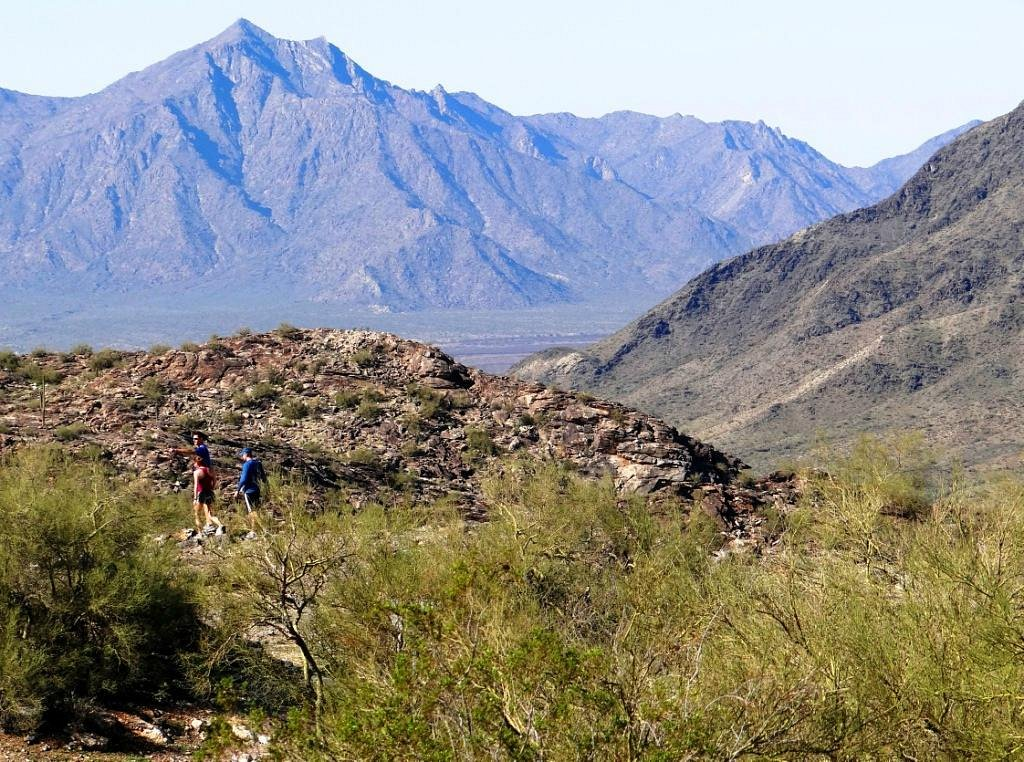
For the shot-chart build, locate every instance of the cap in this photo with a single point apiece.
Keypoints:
(245, 451)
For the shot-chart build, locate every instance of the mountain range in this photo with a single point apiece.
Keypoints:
(250, 167)
(908, 314)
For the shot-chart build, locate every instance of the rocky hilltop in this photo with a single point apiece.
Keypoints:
(377, 416)
(905, 315)
(284, 170)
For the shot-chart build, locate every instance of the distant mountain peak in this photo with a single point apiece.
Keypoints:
(243, 29)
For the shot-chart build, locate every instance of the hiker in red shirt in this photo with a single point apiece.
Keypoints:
(202, 478)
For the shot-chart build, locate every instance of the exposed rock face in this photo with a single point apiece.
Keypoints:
(259, 166)
(367, 412)
(905, 315)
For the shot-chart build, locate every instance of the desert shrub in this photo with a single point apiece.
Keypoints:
(459, 400)
(40, 353)
(70, 432)
(369, 410)
(287, 331)
(347, 398)
(104, 359)
(160, 349)
(257, 395)
(5, 427)
(40, 374)
(294, 409)
(91, 610)
(244, 331)
(365, 358)
(232, 418)
(363, 456)
(81, 350)
(154, 391)
(9, 361)
(190, 422)
(189, 346)
(479, 443)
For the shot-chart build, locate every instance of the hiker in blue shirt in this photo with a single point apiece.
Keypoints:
(252, 478)
(199, 448)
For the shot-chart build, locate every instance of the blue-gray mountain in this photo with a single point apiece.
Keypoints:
(252, 164)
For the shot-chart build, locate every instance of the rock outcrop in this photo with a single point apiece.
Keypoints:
(366, 412)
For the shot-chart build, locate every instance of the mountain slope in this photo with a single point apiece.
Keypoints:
(250, 166)
(907, 314)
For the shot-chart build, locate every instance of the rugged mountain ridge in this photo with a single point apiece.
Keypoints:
(251, 167)
(375, 415)
(907, 314)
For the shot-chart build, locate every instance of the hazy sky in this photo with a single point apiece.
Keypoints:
(858, 80)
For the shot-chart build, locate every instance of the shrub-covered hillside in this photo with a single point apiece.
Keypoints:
(883, 621)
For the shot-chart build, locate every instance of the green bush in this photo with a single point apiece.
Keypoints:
(91, 610)
(287, 331)
(104, 359)
(189, 346)
(161, 349)
(365, 358)
(363, 456)
(294, 409)
(347, 398)
(70, 432)
(369, 410)
(9, 361)
(257, 395)
(81, 350)
(5, 427)
(479, 442)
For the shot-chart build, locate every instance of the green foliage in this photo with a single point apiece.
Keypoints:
(104, 359)
(287, 331)
(363, 456)
(81, 350)
(257, 395)
(294, 409)
(5, 427)
(365, 358)
(347, 398)
(40, 374)
(369, 410)
(154, 391)
(479, 443)
(70, 432)
(244, 331)
(190, 422)
(232, 418)
(161, 349)
(189, 346)
(91, 610)
(9, 361)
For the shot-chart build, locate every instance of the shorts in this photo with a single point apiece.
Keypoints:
(205, 497)
(252, 500)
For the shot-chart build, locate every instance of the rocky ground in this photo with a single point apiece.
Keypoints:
(366, 412)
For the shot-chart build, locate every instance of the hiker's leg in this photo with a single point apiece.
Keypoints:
(196, 511)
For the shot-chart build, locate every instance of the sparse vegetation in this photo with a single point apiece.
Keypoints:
(294, 409)
(189, 346)
(479, 443)
(365, 358)
(257, 395)
(161, 349)
(9, 361)
(104, 359)
(369, 410)
(287, 331)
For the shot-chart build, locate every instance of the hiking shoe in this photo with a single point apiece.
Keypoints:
(250, 535)
(221, 530)
(208, 530)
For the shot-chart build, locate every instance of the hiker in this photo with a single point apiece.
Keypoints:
(198, 448)
(204, 482)
(252, 478)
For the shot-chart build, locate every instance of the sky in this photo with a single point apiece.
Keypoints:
(859, 81)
